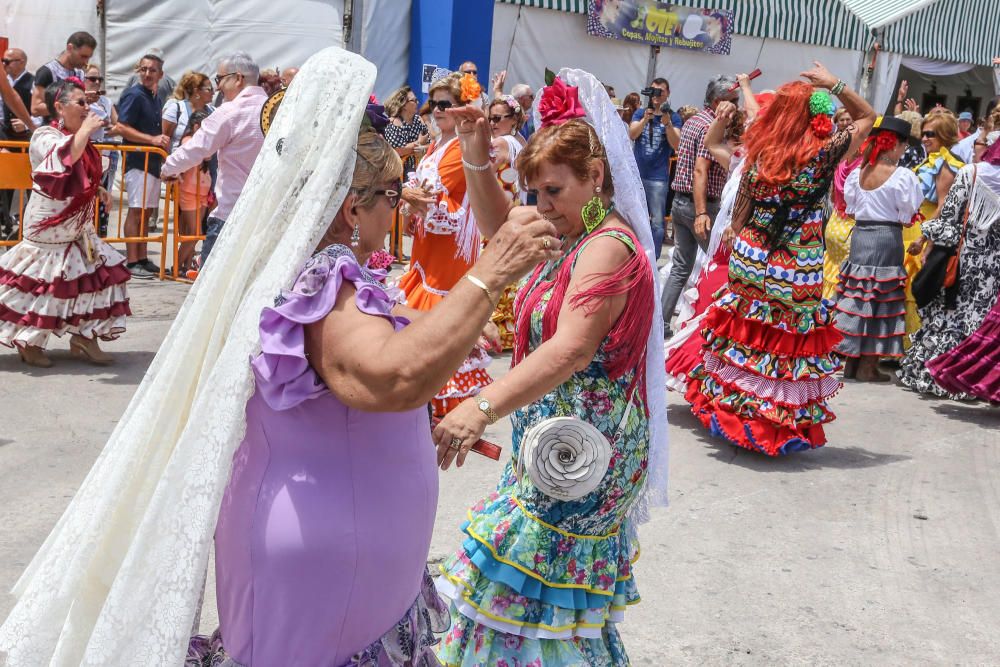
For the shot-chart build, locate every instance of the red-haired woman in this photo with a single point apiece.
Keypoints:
(768, 365)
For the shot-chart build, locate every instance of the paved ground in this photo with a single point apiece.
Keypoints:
(879, 549)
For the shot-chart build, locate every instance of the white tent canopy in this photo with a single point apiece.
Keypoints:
(195, 34)
(527, 40)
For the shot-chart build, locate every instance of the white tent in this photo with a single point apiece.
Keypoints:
(194, 34)
(781, 37)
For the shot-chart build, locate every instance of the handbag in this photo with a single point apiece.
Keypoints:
(565, 457)
(940, 269)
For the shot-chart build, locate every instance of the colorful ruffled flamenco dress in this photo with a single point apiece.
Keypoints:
(542, 582)
(767, 367)
(61, 278)
(445, 246)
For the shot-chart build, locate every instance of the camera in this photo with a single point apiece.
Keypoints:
(665, 109)
(652, 93)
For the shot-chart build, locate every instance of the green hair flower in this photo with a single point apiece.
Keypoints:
(820, 103)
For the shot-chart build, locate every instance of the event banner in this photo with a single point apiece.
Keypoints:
(662, 24)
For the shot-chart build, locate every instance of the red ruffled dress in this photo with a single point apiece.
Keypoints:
(768, 366)
(61, 278)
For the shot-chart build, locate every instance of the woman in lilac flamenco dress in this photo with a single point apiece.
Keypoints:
(298, 432)
(325, 526)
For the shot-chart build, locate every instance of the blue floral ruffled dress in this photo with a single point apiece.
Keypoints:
(539, 581)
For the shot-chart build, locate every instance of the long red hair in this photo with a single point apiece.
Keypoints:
(781, 141)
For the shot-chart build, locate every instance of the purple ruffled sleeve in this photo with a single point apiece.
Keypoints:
(282, 372)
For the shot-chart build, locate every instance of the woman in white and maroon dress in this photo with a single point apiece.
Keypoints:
(62, 278)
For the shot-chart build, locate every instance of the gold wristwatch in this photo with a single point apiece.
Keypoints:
(487, 409)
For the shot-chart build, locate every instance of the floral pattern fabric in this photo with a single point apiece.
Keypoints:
(979, 285)
(540, 581)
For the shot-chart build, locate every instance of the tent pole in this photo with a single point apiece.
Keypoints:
(102, 15)
(354, 18)
(654, 51)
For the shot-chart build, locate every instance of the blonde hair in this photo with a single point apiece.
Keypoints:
(189, 83)
(377, 163)
(914, 119)
(451, 83)
(395, 103)
(840, 112)
(944, 125)
(685, 112)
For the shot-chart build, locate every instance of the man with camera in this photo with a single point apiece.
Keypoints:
(656, 135)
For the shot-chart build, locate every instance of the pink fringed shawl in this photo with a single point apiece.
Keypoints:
(625, 345)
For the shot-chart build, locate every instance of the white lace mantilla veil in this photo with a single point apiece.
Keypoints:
(119, 578)
(630, 203)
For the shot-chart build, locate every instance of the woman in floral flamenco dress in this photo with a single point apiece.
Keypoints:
(446, 240)
(768, 366)
(62, 278)
(542, 578)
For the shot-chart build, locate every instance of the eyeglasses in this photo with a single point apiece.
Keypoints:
(147, 70)
(94, 79)
(441, 105)
(928, 134)
(497, 119)
(222, 77)
(392, 195)
(473, 72)
(7, 61)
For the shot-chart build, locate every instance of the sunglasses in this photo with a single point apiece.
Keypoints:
(392, 195)
(7, 61)
(94, 79)
(497, 119)
(222, 77)
(473, 72)
(82, 103)
(928, 134)
(440, 105)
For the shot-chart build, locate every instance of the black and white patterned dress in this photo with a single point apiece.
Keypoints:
(979, 275)
(405, 133)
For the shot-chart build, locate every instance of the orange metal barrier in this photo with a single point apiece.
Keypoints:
(15, 174)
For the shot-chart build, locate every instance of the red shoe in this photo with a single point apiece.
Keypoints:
(191, 274)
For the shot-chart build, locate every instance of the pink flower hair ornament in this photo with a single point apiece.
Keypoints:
(559, 103)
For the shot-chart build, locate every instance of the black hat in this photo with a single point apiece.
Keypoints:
(892, 124)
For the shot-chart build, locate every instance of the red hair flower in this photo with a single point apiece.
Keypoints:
(559, 104)
(822, 125)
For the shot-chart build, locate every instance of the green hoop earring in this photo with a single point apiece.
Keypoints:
(593, 212)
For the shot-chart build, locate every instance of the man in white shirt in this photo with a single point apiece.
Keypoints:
(233, 131)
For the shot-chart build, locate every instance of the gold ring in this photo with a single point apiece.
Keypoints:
(546, 243)
(456, 443)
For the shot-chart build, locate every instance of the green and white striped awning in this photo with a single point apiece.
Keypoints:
(961, 31)
(880, 13)
(953, 30)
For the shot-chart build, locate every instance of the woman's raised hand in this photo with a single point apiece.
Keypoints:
(91, 123)
(819, 76)
(473, 133)
(524, 240)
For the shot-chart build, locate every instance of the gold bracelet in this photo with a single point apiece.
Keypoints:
(481, 285)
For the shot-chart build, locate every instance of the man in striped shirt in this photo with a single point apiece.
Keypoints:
(698, 183)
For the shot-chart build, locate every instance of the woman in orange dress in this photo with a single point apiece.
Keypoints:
(446, 241)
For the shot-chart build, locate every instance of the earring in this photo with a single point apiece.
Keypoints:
(356, 236)
(593, 212)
